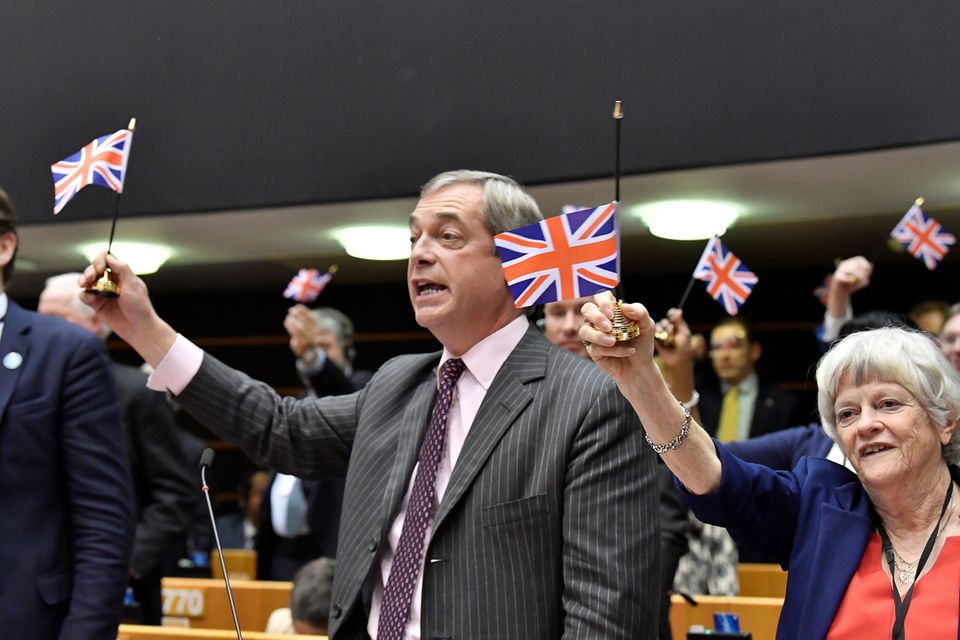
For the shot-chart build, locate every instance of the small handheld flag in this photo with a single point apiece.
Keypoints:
(562, 258)
(307, 285)
(103, 162)
(729, 282)
(923, 236)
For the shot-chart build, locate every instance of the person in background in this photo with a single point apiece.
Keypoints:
(66, 508)
(929, 316)
(322, 341)
(163, 487)
(309, 601)
(851, 275)
(479, 479)
(239, 530)
(562, 322)
(300, 519)
(950, 336)
(856, 545)
(743, 406)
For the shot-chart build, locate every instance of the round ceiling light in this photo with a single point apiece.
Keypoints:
(375, 242)
(687, 219)
(143, 257)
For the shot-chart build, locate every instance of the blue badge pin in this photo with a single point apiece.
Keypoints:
(12, 360)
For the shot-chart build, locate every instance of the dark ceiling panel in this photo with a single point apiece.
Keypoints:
(248, 104)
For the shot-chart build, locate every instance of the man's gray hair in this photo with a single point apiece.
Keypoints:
(909, 358)
(505, 204)
(336, 321)
(69, 281)
(312, 592)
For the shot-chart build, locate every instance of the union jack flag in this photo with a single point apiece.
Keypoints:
(923, 237)
(306, 285)
(729, 282)
(102, 162)
(562, 258)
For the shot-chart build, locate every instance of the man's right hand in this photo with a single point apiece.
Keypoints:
(131, 314)
(850, 276)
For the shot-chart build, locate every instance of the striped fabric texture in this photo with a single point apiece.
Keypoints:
(549, 527)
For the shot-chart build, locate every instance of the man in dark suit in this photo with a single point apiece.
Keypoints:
(742, 406)
(164, 488)
(561, 326)
(531, 509)
(300, 519)
(66, 511)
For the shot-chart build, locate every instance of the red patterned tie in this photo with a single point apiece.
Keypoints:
(398, 594)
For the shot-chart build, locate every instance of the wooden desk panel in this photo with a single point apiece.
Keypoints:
(762, 580)
(759, 616)
(140, 632)
(203, 602)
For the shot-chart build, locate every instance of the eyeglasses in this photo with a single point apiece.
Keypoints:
(734, 342)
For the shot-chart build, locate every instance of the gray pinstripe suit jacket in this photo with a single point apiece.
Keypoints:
(548, 528)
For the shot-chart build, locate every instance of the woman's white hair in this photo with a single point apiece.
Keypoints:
(908, 358)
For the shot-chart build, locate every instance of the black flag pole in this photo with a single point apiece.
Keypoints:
(623, 329)
(116, 208)
(686, 293)
(617, 121)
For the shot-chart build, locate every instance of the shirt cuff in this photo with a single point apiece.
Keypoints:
(833, 324)
(177, 368)
(315, 366)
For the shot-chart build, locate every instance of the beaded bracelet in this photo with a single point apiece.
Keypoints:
(676, 442)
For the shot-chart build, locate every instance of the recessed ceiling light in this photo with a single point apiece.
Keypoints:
(375, 242)
(687, 219)
(143, 257)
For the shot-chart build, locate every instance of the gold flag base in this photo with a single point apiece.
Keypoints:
(105, 286)
(623, 329)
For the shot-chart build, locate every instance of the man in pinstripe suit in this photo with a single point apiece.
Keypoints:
(545, 519)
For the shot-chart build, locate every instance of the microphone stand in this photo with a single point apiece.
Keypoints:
(205, 461)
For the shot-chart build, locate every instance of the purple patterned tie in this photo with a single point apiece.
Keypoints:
(398, 594)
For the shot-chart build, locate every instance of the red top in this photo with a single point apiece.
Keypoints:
(867, 609)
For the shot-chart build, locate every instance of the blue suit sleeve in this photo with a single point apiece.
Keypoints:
(101, 504)
(757, 505)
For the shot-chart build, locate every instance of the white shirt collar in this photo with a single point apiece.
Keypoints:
(748, 385)
(485, 358)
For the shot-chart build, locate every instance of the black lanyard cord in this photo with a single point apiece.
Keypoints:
(901, 606)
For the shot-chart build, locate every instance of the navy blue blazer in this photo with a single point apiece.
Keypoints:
(815, 520)
(66, 509)
(783, 449)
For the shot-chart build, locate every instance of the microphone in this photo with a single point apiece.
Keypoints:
(206, 460)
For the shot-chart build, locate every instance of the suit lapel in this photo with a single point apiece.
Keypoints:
(13, 341)
(843, 536)
(413, 426)
(504, 401)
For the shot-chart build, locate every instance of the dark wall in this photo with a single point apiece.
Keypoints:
(244, 104)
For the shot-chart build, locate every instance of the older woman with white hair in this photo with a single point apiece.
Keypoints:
(870, 555)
